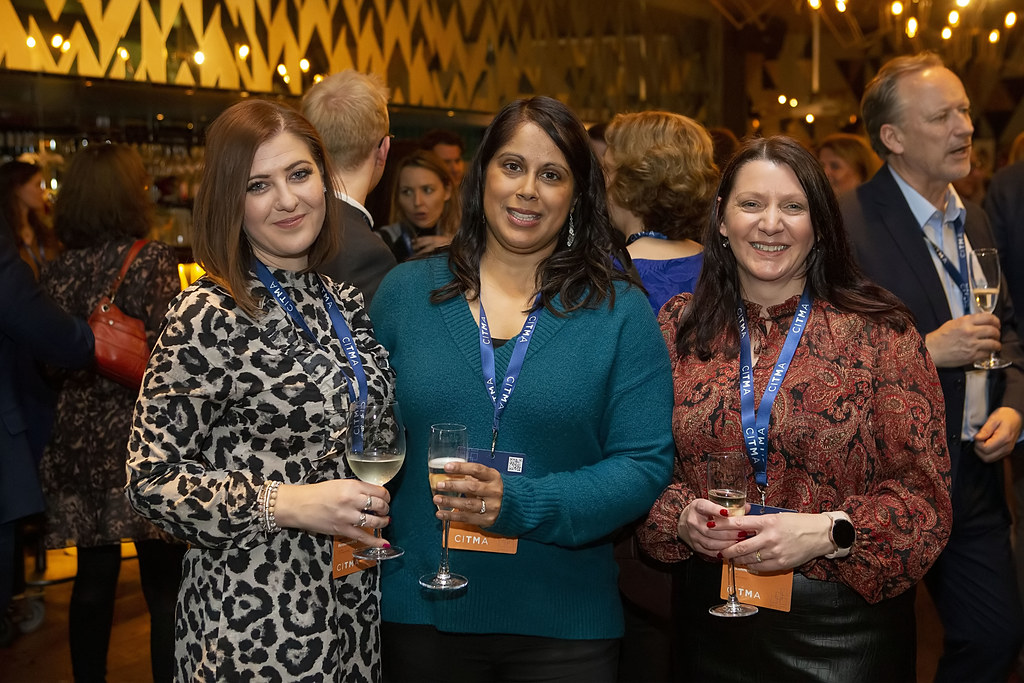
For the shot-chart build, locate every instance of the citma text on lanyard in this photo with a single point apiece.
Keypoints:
(959, 276)
(755, 424)
(515, 364)
(341, 329)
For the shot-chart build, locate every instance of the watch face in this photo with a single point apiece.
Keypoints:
(843, 533)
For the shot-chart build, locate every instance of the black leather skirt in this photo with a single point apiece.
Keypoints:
(831, 634)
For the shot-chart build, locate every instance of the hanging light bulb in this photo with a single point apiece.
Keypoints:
(993, 36)
(896, 8)
(815, 4)
(954, 18)
(243, 51)
(947, 33)
(199, 57)
(911, 27)
(1011, 19)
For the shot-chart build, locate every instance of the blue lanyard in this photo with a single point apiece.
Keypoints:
(959, 276)
(645, 233)
(341, 328)
(515, 364)
(755, 425)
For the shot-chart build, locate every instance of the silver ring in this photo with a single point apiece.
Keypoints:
(369, 503)
(483, 506)
(757, 556)
(362, 519)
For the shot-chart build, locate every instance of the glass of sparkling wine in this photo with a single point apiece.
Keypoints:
(727, 486)
(448, 443)
(375, 450)
(983, 267)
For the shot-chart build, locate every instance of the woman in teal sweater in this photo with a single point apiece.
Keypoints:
(588, 413)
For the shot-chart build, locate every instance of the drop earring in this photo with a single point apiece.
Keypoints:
(572, 233)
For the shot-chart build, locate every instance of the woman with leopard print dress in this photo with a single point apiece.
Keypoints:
(244, 397)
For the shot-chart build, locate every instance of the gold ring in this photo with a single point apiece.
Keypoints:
(362, 519)
(757, 556)
(369, 503)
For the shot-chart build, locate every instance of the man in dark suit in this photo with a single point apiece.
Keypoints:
(350, 111)
(32, 327)
(913, 235)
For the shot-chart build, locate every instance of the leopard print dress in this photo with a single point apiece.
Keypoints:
(228, 403)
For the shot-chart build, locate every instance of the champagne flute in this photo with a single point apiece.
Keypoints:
(727, 486)
(375, 450)
(448, 443)
(983, 267)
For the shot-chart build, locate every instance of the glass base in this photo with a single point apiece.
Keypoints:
(444, 582)
(992, 364)
(378, 554)
(733, 609)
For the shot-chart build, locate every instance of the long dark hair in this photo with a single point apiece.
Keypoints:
(832, 274)
(13, 175)
(582, 275)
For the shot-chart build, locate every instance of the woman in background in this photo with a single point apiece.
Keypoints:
(424, 207)
(661, 177)
(23, 201)
(238, 435)
(848, 161)
(850, 441)
(102, 209)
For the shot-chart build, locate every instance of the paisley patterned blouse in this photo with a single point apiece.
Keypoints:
(228, 403)
(858, 426)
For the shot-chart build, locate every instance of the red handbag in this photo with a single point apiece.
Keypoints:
(122, 351)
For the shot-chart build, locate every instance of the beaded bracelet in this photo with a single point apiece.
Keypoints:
(266, 500)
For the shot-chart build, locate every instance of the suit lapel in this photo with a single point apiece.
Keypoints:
(899, 222)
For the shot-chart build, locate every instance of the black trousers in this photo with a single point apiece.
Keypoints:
(974, 583)
(413, 653)
(91, 613)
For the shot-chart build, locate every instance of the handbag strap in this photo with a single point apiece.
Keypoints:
(132, 253)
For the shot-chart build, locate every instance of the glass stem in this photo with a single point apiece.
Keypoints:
(732, 582)
(443, 571)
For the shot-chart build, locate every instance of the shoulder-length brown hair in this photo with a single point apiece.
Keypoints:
(448, 223)
(103, 197)
(662, 169)
(218, 242)
(832, 273)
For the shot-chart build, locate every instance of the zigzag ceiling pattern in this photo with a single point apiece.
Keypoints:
(458, 54)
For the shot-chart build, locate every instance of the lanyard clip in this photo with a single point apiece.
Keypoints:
(494, 441)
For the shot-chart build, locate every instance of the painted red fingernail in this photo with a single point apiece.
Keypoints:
(711, 525)
(387, 545)
(719, 555)
(741, 535)
(723, 512)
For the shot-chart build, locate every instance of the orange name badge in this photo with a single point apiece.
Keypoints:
(462, 536)
(772, 590)
(344, 563)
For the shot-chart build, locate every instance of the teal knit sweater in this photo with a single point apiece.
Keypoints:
(592, 412)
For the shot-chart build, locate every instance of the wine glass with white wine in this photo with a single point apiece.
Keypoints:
(983, 268)
(727, 486)
(375, 450)
(448, 443)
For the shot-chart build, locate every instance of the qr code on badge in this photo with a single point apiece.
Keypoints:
(515, 465)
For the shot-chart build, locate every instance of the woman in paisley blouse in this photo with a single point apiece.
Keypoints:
(854, 443)
(243, 402)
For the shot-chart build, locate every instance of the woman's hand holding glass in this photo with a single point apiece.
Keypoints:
(474, 497)
(766, 542)
(335, 507)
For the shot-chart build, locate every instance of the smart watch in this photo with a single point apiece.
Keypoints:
(841, 534)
